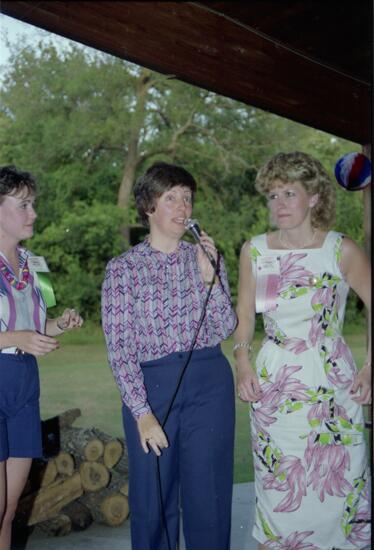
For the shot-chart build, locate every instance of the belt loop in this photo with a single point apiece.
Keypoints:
(12, 351)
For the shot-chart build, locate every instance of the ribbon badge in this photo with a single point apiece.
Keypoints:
(39, 268)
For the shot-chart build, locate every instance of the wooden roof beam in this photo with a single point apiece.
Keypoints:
(209, 50)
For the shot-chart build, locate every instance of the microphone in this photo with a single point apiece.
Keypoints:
(193, 227)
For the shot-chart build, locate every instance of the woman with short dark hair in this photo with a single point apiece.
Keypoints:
(161, 299)
(159, 178)
(25, 332)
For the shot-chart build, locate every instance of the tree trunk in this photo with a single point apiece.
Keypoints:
(124, 490)
(83, 443)
(115, 509)
(118, 484)
(94, 445)
(122, 466)
(58, 526)
(107, 507)
(94, 450)
(79, 514)
(66, 419)
(65, 464)
(47, 503)
(95, 476)
(42, 473)
(132, 156)
(113, 452)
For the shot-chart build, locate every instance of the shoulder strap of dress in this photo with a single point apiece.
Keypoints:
(333, 249)
(333, 239)
(259, 244)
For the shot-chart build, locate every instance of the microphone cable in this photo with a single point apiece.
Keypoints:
(215, 265)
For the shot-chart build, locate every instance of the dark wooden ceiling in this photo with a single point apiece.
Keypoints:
(307, 60)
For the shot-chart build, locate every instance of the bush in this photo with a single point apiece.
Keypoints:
(77, 249)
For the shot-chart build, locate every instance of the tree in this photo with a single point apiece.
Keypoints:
(87, 124)
(77, 249)
(79, 110)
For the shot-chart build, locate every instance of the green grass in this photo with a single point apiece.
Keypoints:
(78, 375)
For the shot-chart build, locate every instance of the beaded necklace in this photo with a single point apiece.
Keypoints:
(17, 284)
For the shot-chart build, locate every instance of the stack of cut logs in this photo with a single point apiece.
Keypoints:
(85, 481)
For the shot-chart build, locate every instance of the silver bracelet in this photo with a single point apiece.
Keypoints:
(239, 345)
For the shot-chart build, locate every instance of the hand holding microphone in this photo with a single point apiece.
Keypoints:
(207, 252)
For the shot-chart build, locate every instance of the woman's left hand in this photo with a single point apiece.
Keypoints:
(362, 386)
(69, 319)
(206, 268)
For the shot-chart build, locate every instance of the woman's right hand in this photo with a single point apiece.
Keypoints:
(151, 434)
(33, 342)
(248, 386)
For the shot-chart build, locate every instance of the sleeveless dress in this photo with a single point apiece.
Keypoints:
(310, 460)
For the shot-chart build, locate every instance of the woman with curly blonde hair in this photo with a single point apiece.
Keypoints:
(306, 395)
(292, 167)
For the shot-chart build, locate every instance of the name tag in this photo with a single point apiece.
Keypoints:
(37, 263)
(267, 282)
(268, 265)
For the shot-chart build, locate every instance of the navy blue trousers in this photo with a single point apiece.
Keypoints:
(197, 467)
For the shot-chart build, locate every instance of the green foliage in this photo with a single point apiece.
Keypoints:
(231, 212)
(349, 214)
(73, 117)
(78, 248)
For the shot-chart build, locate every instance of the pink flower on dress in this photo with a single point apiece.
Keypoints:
(296, 345)
(263, 417)
(275, 393)
(325, 411)
(360, 535)
(316, 332)
(294, 483)
(292, 274)
(328, 299)
(327, 465)
(323, 296)
(295, 541)
(284, 387)
(338, 379)
(340, 350)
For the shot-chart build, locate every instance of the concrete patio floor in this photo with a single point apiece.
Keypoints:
(99, 537)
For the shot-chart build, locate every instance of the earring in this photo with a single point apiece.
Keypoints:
(313, 201)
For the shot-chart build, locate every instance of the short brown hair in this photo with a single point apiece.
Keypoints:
(12, 181)
(160, 177)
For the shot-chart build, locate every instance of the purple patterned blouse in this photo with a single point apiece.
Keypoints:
(151, 305)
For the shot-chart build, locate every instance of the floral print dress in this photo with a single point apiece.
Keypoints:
(310, 460)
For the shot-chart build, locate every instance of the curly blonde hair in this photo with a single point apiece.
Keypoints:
(301, 167)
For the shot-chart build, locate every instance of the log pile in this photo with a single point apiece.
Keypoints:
(85, 480)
